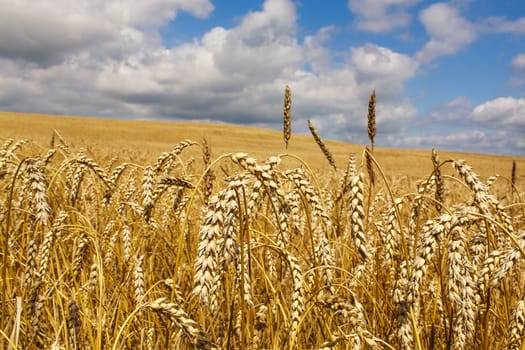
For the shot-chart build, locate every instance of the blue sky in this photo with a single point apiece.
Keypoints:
(449, 75)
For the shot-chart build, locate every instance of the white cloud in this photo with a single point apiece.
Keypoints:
(276, 20)
(493, 127)
(449, 140)
(505, 112)
(229, 73)
(381, 69)
(471, 140)
(456, 110)
(151, 13)
(503, 25)
(381, 16)
(377, 63)
(449, 32)
(518, 62)
(198, 8)
(48, 32)
(460, 102)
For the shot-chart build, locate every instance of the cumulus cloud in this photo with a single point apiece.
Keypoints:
(381, 64)
(449, 32)
(232, 74)
(121, 68)
(381, 16)
(507, 112)
(336, 98)
(493, 127)
(49, 32)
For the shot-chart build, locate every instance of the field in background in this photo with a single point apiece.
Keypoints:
(143, 141)
(123, 235)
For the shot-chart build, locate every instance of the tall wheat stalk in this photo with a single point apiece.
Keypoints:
(372, 118)
(322, 145)
(287, 115)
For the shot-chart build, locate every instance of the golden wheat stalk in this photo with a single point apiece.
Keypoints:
(438, 179)
(370, 168)
(357, 215)
(207, 183)
(40, 202)
(191, 329)
(372, 118)
(322, 145)
(287, 115)
(516, 330)
(513, 178)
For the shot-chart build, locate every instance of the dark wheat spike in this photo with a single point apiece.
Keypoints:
(209, 177)
(369, 166)
(322, 145)
(175, 181)
(287, 115)
(438, 179)
(513, 176)
(372, 118)
(189, 327)
(73, 324)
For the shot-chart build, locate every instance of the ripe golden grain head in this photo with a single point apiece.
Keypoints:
(372, 117)
(287, 115)
(322, 145)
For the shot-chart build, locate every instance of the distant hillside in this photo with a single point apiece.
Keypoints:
(142, 141)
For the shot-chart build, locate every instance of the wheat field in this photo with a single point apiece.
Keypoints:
(117, 243)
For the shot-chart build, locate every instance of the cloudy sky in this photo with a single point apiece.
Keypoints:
(449, 75)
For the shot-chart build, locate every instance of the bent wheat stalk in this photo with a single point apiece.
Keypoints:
(322, 145)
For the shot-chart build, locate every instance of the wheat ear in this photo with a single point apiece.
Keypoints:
(516, 330)
(322, 145)
(190, 328)
(209, 177)
(438, 180)
(513, 177)
(40, 203)
(372, 118)
(287, 115)
(357, 214)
